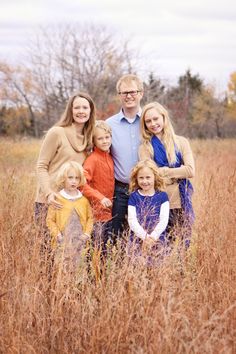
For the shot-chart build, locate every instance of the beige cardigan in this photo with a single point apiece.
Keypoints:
(60, 145)
(187, 170)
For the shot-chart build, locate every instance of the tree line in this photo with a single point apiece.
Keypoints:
(92, 58)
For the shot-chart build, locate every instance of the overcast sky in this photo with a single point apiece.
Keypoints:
(174, 34)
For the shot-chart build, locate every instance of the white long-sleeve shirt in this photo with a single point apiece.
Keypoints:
(148, 215)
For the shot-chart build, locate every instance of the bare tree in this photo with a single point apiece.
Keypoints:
(72, 58)
(154, 90)
(18, 90)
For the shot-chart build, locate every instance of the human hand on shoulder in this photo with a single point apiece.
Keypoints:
(106, 203)
(52, 200)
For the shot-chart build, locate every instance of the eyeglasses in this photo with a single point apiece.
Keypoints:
(131, 93)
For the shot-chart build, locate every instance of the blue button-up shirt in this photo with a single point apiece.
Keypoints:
(126, 139)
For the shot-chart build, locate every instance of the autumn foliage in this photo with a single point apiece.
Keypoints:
(64, 60)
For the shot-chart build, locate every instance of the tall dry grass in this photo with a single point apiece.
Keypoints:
(186, 306)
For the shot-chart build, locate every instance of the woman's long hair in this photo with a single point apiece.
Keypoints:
(67, 116)
(168, 135)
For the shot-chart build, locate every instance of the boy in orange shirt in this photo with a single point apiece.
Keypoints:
(99, 189)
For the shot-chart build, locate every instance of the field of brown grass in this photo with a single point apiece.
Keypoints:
(180, 307)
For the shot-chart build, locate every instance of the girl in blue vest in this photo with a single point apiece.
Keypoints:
(148, 208)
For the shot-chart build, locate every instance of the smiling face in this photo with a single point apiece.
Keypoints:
(81, 110)
(154, 122)
(130, 95)
(102, 139)
(146, 180)
(72, 182)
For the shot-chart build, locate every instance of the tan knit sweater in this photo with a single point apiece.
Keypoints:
(187, 170)
(60, 145)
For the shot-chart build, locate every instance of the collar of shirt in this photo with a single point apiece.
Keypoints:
(70, 197)
(122, 116)
(100, 152)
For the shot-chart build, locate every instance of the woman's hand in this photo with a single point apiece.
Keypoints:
(52, 200)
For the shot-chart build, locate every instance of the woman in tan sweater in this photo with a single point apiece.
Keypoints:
(69, 139)
(173, 155)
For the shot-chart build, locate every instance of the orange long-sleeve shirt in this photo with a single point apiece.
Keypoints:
(99, 172)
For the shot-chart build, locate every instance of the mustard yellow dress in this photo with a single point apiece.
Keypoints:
(70, 227)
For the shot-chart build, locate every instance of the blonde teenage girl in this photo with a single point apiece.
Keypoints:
(173, 156)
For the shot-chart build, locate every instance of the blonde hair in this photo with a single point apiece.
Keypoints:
(159, 184)
(67, 117)
(63, 173)
(101, 124)
(128, 79)
(168, 135)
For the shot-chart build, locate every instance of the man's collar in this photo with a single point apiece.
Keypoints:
(122, 116)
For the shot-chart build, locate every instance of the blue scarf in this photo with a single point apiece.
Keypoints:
(185, 186)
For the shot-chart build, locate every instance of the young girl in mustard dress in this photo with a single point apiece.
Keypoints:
(70, 226)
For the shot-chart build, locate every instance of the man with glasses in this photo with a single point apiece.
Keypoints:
(125, 127)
